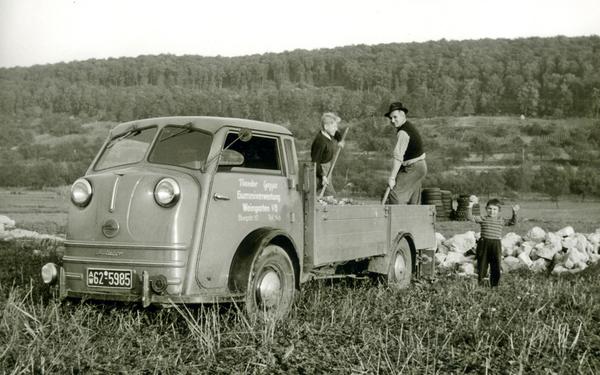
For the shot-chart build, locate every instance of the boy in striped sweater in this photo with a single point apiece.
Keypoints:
(489, 247)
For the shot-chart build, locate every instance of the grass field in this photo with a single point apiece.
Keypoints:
(532, 324)
(43, 211)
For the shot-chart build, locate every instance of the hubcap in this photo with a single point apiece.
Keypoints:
(269, 289)
(399, 267)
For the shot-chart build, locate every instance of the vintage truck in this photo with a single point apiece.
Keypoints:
(207, 209)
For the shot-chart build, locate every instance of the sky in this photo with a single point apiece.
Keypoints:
(50, 31)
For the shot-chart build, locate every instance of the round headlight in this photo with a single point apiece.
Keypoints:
(167, 192)
(81, 192)
(49, 273)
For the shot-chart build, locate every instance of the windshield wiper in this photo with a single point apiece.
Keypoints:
(124, 136)
(187, 129)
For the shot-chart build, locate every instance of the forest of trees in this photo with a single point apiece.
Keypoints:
(537, 77)
(555, 77)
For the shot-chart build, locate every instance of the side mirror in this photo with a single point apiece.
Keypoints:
(231, 158)
(244, 135)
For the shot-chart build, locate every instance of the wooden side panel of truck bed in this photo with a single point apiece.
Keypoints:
(349, 232)
(417, 220)
(352, 232)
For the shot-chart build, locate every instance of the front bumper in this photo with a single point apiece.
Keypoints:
(143, 293)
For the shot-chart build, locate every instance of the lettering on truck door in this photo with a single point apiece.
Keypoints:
(242, 198)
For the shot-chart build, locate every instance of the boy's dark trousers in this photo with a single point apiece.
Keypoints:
(489, 252)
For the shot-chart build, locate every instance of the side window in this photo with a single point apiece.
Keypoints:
(289, 156)
(259, 153)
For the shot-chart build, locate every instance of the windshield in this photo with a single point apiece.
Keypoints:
(127, 148)
(183, 147)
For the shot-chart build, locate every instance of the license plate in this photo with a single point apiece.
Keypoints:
(99, 277)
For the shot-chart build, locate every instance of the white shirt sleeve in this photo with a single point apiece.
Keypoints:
(401, 145)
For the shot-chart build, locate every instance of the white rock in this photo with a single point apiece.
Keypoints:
(594, 239)
(524, 258)
(594, 258)
(23, 233)
(6, 222)
(576, 256)
(510, 243)
(19, 234)
(559, 269)
(439, 258)
(569, 263)
(461, 243)
(554, 241)
(535, 234)
(582, 244)
(560, 257)
(539, 265)
(511, 264)
(439, 238)
(566, 232)
(569, 242)
(526, 248)
(453, 258)
(442, 249)
(467, 268)
(545, 251)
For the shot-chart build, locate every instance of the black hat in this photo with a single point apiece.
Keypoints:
(394, 106)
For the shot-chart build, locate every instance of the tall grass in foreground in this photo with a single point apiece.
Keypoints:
(531, 324)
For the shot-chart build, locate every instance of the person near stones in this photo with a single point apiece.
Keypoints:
(323, 149)
(489, 248)
(408, 163)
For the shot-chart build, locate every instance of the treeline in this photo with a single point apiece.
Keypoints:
(536, 76)
(539, 77)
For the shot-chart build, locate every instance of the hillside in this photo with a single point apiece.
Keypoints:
(467, 96)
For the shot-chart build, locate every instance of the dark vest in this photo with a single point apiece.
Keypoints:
(415, 145)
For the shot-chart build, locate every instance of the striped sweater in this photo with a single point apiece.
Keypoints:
(491, 228)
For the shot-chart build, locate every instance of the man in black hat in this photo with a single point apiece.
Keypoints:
(408, 164)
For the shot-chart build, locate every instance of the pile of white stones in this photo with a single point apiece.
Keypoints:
(9, 232)
(538, 251)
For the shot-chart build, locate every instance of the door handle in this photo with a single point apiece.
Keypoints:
(219, 197)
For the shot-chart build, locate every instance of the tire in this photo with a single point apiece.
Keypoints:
(400, 266)
(271, 285)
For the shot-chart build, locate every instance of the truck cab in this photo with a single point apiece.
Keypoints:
(207, 209)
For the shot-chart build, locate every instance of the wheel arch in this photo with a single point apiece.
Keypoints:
(244, 256)
(379, 264)
(411, 243)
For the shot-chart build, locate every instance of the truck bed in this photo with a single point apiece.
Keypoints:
(348, 232)
(339, 233)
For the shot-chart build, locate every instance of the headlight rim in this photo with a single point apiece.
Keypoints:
(52, 268)
(176, 192)
(89, 192)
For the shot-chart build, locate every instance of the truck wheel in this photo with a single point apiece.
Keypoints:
(271, 284)
(400, 266)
